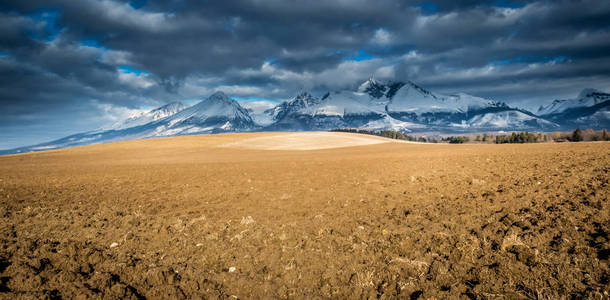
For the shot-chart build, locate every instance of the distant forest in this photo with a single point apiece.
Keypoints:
(577, 135)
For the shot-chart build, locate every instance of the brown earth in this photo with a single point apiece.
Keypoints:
(184, 218)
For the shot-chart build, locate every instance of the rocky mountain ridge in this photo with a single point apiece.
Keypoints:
(374, 105)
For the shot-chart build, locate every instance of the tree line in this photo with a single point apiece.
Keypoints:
(577, 135)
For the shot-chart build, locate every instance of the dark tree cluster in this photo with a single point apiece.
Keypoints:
(396, 135)
(353, 130)
(578, 135)
(519, 138)
(456, 139)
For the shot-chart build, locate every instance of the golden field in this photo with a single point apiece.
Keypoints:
(306, 215)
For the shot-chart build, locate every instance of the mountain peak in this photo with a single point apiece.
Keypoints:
(378, 89)
(373, 87)
(368, 84)
(219, 96)
(419, 88)
(304, 99)
(217, 113)
(370, 81)
(303, 95)
(587, 98)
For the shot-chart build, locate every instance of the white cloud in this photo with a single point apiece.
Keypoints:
(385, 72)
(411, 55)
(382, 37)
(141, 81)
(240, 90)
(200, 87)
(110, 114)
(123, 13)
(116, 58)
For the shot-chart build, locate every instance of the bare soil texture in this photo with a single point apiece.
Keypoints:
(190, 217)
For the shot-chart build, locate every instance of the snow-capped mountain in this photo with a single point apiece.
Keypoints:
(402, 106)
(373, 105)
(217, 113)
(591, 109)
(302, 101)
(149, 116)
(586, 98)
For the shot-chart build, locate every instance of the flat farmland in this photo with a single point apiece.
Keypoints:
(306, 215)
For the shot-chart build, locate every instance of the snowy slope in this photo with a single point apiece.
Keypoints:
(515, 119)
(586, 98)
(333, 110)
(414, 99)
(300, 102)
(389, 123)
(590, 109)
(599, 119)
(409, 97)
(147, 117)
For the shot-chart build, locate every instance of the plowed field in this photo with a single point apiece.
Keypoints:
(250, 216)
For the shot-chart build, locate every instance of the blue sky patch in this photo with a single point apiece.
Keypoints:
(231, 24)
(49, 16)
(91, 42)
(429, 8)
(360, 56)
(128, 69)
(528, 60)
(137, 4)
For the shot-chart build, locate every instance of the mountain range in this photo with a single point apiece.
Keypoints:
(374, 105)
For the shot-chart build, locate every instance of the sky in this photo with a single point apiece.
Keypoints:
(71, 66)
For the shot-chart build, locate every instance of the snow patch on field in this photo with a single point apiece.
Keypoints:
(307, 141)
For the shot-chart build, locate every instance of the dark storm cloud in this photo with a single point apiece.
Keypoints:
(208, 36)
(64, 61)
